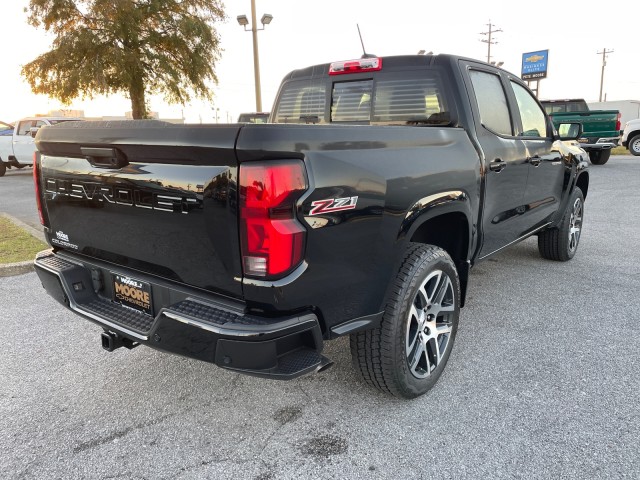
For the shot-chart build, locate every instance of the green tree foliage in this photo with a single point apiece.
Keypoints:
(131, 46)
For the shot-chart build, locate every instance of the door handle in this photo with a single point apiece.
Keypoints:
(497, 165)
(535, 160)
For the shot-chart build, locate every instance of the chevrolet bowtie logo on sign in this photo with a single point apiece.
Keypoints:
(534, 58)
(132, 293)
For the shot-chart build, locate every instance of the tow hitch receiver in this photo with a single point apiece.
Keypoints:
(112, 341)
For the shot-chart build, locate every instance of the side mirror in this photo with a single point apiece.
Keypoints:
(33, 131)
(569, 131)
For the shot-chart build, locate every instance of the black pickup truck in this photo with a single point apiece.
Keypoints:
(359, 209)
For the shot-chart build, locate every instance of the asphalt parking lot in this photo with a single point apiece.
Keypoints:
(543, 382)
(16, 196)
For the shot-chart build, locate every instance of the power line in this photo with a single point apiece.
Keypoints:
(489, 40)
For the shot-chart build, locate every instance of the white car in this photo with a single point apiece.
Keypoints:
(631, 136)
(17, 145)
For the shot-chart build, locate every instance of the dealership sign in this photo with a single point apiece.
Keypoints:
(534, 65)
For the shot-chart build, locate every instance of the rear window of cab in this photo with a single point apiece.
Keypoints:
(396, 98)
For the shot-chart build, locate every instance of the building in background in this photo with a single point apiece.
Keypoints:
(126, 116)
(65, 112)
(629, 109)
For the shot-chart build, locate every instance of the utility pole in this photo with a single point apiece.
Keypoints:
(489, 40)
(604, 54)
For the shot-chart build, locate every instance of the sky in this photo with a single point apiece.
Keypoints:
(308, 32)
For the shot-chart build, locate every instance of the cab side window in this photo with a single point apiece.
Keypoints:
(25, 127)
(492, 102)
(534, 122)
(411, 100)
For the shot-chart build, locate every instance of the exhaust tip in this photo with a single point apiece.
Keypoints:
(325, 364)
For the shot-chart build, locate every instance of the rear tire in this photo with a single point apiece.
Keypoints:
(3, 168)
(561, 243)
(407, 353)
(634, 145)
(600, 157)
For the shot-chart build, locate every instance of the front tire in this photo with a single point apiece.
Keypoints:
(561, 243)
(600, 157)
(3, 168)
(634, 145)
(407, 353)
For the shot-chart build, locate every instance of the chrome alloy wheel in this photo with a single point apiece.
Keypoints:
(575, 225)
(430, 324)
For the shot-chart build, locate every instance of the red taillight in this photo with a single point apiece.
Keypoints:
(618, 122)
(355, 66)
(272, 239)
(36, 183)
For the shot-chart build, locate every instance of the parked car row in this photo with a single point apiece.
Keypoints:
(16, 141)
(258, 117)
(601, 132)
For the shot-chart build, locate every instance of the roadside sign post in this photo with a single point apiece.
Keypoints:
(534, 68)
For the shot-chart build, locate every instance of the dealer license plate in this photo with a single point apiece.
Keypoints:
(132, 293)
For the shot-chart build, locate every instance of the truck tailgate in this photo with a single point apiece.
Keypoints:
(150, 196)
(595, 123)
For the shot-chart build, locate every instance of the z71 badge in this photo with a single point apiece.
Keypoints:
(333, 205)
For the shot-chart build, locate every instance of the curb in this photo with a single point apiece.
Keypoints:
(12, 269)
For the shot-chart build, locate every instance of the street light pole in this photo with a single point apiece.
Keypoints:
(256, 59)
(604, 53)
(244, 21)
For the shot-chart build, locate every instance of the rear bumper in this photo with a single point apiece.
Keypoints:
(590, 147)
(608, 142)
(12, 162)
(187, 322)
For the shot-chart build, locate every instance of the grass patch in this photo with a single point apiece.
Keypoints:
(16, 245)
(619, 151)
